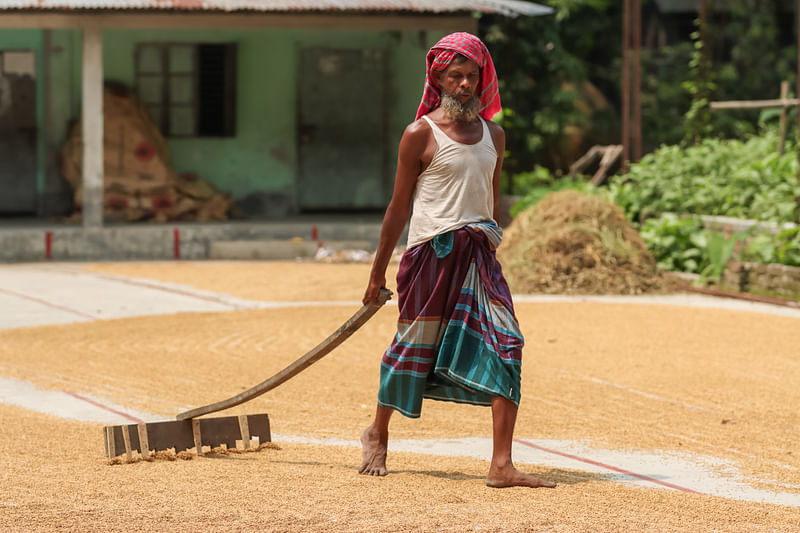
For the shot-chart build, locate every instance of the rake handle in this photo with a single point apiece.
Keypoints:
(315, 354)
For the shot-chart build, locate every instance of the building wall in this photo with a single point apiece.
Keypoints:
(262, 157)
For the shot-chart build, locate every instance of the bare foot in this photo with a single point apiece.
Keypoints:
(373, 452)
(501, 477)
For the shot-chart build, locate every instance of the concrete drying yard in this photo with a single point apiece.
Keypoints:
(675, 413)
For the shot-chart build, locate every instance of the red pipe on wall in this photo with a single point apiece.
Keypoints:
(48, 245)
(176, 242)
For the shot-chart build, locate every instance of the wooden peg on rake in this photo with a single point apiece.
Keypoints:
(188, 431)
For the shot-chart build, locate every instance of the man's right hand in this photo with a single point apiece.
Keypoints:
(373, 289)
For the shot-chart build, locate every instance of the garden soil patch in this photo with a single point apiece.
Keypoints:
(576, 243)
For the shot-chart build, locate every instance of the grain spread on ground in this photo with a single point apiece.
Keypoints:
(638, 377)
(60, 482)
(576, 243)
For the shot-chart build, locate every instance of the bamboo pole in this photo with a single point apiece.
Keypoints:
(703, 29)
(626, 83)
(703, 68)
(797, 130)
(784, 118)
(636, 67)
(754, 104)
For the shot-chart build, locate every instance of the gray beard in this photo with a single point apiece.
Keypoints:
(455, 110)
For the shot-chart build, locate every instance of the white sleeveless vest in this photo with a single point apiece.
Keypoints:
(455, 189)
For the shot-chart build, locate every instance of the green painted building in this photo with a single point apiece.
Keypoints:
(286, 110)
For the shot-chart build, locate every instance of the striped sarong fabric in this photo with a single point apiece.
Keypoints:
(457, 337)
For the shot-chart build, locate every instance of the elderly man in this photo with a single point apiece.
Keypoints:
(457, 337)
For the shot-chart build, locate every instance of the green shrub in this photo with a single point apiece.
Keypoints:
(731, 178)
(682, 244)
(783, 248)
(677, 244)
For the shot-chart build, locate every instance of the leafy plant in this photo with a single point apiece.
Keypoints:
(731, 178)
(783, 248)
(700, 86)
(789, 247)
(720, 249)
(682, 244)
(677, 244)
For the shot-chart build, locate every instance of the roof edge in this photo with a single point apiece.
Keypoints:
(511, 8)
(518, 7)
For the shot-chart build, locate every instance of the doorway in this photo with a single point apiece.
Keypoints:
(17, 133)
(342, 129)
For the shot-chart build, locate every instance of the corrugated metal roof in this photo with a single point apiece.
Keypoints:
(506, 7)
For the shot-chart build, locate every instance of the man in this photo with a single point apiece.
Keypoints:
(457, 337)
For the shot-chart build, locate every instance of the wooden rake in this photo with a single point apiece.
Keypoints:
(188, 431)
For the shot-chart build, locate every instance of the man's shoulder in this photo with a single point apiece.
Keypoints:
(495, 128)
(417, 131)
(497, 132)
(418, 126)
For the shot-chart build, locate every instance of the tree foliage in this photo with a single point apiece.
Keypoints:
(543, 63)
(546, 64)
(752, 48)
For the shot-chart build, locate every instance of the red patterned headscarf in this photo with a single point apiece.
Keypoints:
(440, 57)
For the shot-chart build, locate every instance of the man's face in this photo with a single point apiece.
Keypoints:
(461, 80)
(460, 83)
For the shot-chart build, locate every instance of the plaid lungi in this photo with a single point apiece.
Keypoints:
(457, 337)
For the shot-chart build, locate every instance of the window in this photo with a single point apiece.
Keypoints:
(190, 89)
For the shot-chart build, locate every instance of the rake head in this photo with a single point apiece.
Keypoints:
(182, 435)
(188, 431)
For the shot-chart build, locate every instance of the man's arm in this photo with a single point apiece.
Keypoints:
(409, 166)
(499, 139)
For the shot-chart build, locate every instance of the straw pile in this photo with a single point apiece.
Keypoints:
(576, 243)
(139, 180)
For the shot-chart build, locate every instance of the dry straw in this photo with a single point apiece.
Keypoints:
(576, 243)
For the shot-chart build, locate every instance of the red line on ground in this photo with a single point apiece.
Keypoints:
(609, 467)
(741, 296)
(107, 408)
(48, 304)
(145, 283)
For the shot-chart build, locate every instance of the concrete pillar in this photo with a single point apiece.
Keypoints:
(92, 127)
